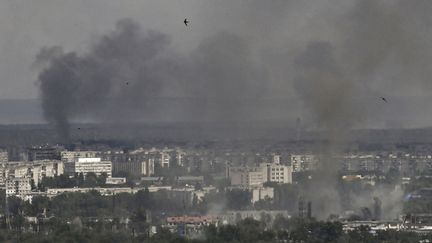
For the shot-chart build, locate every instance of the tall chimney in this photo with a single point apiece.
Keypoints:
(309, 210)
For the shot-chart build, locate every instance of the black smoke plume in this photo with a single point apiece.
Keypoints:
(115, 79)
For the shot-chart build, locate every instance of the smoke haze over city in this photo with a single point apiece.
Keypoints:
(367, 49)
(215, 121)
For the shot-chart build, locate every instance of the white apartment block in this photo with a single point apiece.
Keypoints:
(258, 175)
(88, 165)
(35, 170)
(281, 174)
(71, 156)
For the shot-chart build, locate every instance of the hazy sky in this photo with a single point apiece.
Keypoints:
(26, 26)
(375, 47)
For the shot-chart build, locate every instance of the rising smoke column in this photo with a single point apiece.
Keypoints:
(329, 94)
(337, 80)
(113, 80)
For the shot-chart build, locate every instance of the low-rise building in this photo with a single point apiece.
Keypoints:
(190, 180)
(190, 226)
(115, 180)
(262, 193)
(232, 217)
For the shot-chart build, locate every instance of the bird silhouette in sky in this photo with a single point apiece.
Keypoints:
(186, 22)
(384, 99)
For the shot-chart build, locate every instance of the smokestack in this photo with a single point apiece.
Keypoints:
(148, 216)
(377, 208)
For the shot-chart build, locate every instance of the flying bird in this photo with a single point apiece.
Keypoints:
(384, 99)
(186, 22)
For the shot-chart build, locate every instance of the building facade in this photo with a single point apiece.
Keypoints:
(71, 156)
(304, 162)
(19, 187)
(245, 176)
(89, 165)
(137, 168)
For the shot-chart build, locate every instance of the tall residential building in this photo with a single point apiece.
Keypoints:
(19, 187)
(180, 157)
(87, 165)
(278, 173)
(71, 156)
(257, 175)
(245, 176)
(165, 158)
(3, 156)
(43, 153)
(4, 174)
(276, 159)
(139, 168)
(304, 162)
(36, 170)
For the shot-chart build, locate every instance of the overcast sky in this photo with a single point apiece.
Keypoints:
(377, 47)
(26, 26)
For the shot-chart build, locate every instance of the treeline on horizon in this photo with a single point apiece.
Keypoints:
(245, 231)
(133, 133)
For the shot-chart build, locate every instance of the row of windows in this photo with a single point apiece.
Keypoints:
(276, 169)
(277, 173)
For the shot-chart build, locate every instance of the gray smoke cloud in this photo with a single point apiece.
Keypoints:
(115, 77)
(339, 80)
(336, 57)
(255, 51)
(114, 80)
